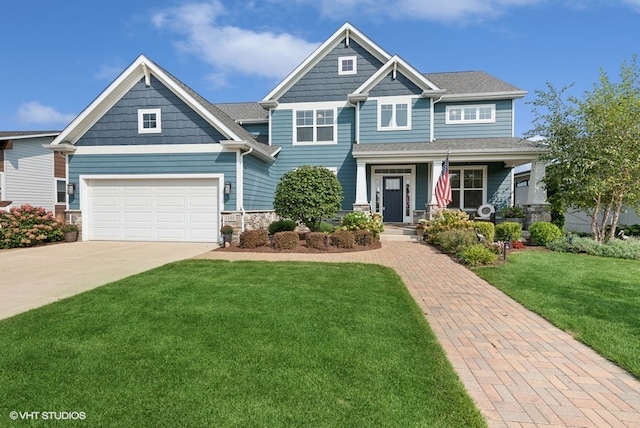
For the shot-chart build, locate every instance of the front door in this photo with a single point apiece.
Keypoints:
(392, 199)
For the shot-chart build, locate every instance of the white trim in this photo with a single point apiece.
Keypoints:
(462, 119)
(313, 105)
(395, 64)
(513, 119)
(123, 84)
(322, 50)
(150, 149)
(314, 126)
(83, 192)
(342, 60)
(157, 129)
(411, 176)
(2, 186)
(394, 101)
(484, 96)
(239, 180)
(485, 184)
(55, 190)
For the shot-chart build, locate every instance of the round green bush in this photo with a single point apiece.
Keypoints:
(487, 229)
(282, 226)
(508, 231)
(543, 232)
(478, 255)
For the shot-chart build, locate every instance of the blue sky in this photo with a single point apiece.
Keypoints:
(58, 56)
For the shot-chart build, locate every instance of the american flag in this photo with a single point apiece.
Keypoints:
(443, 186)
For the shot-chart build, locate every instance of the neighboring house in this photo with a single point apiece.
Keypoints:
(153, 160)
(30, 173)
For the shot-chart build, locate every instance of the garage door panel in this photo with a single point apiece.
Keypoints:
(153, 209)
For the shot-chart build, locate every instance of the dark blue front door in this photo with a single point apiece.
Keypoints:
(392, 199)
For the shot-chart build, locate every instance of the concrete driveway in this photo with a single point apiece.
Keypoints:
(33, 277)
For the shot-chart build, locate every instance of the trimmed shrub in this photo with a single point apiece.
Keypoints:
(317, 240)
(363, 237)
(287, 240)
(543, 232)
(477, 255)
(509, 231)
(282, 226)
(487, 229)
(453, 241)
(342, 239)
(254, 238)
(28, 226)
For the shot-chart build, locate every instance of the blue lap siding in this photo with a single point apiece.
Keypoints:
(173, 163)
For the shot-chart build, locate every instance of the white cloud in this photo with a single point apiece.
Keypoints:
(232, 49)
(35, 112)
(449, 11)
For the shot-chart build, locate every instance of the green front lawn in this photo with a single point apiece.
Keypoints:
(596, 299)
(215, 343)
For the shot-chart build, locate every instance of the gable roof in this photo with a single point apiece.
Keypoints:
(346, 32)
(16, 135)
(143, 67)
(396, 64)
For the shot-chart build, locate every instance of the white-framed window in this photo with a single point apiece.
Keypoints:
(315, 126)
(347, 65)
(149, 121)
(61, 191)
(394, 114)
(485, 113)
(468, 187)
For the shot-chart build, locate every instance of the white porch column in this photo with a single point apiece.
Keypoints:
(436, 170)
(361, 184)
(537, 194)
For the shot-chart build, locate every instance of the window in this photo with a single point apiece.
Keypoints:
(470, 114)
(315, 126)
(467, 188)
(347, 65)
(149, 121)
(394, 115)
(61, 191)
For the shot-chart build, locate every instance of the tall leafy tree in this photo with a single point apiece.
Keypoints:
(308, 194)
(594, 146)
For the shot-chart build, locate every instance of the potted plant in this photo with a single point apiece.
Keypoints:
(513, 214)
(227, 233)
(70, 232)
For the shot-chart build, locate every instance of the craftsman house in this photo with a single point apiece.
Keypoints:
(151, 159)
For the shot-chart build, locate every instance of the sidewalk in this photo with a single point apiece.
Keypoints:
(519, 369)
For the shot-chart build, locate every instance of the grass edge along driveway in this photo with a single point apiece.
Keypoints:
(218, 343)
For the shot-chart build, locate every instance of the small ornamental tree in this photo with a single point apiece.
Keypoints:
(308, 194)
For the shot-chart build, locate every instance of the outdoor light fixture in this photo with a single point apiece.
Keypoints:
(227, 187)
(71, 188)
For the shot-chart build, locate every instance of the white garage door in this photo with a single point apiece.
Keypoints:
(153, 210)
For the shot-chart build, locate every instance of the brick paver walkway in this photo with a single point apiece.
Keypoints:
(519, 369)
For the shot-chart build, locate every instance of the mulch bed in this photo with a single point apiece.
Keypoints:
(302, 248)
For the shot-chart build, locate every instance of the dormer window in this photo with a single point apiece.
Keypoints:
(347, 65)
(149, 121)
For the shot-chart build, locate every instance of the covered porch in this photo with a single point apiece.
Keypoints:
(398, 179)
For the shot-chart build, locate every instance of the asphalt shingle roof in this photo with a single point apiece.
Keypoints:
(470, 82)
